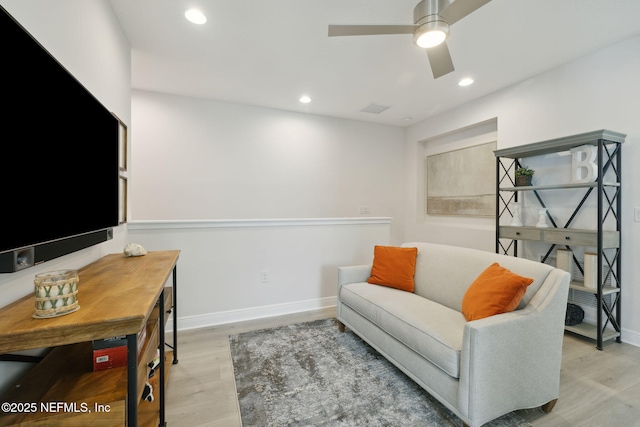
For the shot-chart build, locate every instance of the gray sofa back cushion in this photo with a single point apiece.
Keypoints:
(443, 273)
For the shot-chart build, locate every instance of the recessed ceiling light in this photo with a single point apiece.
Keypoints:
(465, 82)
(195, 16)
(305, 99)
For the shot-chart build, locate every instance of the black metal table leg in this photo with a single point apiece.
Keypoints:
(132, 380)
(175, 315)
(162, 360)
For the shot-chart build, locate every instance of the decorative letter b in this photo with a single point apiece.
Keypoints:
(583, 163)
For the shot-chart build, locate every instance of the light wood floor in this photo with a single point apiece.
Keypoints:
(597, 388)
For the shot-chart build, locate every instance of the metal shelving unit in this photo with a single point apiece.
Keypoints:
(606, 190)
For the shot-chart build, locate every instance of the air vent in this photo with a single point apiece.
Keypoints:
(374, 108)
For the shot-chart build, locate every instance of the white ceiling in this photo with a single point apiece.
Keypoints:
(270, 52)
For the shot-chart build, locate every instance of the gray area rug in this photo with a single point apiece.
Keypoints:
(310, 374)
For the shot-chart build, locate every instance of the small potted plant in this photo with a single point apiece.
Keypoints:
(523, 176)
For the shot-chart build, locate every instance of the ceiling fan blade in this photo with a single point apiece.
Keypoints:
(458, 9)
(440, 60)
(369, 30)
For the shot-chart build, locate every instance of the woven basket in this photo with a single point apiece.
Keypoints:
(56, 293)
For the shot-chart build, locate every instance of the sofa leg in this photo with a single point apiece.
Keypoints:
(340, 326)
(547, 407)
(465, 424)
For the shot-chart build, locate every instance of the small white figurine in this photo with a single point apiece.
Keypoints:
(516, 221)
(542, 218)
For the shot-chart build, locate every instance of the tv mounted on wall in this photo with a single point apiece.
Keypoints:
(59, 156)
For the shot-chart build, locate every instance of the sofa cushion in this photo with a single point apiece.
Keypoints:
(428, 328)
(394, 267)
(443, 273)
(496, 290)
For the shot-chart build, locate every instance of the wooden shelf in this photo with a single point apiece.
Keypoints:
(561, 236)
(606, 290)
(564, 143)
(116, 295)
(591, 331)
(66, 373)
(560, 186)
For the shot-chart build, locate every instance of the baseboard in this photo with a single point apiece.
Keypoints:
(628, 336)
(232, 316)
(631, 337)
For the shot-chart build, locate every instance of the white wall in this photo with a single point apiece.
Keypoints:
(448, 230)
(86, 38)
(204, 159)
(222, 163)
(599, 91)
(221, 265)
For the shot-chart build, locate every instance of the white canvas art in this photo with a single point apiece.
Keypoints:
(462, 182)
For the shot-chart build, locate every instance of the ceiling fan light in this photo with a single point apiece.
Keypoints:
(431, 34)
(431, 39)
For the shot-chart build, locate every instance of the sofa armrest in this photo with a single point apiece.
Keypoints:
(350, 274)
(512, 360)
(353, 274)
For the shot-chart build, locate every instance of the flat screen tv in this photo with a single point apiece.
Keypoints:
(59, 156)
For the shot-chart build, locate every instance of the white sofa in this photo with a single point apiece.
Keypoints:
(480, 369)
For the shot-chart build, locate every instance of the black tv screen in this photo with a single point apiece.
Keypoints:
(59, 148)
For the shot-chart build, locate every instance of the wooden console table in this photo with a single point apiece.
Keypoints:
(118, 296)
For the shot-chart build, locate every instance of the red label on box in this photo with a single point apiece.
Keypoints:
(112, 352)
(109, 358)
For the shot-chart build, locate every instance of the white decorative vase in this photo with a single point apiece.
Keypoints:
(516, 220)
(590, 270)
(542, 218)
(564, 261)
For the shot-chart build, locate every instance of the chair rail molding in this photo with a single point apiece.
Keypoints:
(248, 223)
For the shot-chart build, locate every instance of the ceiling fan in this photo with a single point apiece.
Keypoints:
(432, 19)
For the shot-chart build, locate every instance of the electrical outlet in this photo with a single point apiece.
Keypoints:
(636, 214)
(264, 276)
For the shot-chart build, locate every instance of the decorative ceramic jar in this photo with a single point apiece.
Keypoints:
(516, 220)
(542, 218)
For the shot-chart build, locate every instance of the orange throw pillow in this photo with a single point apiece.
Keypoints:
(496, 290)
(394, 267)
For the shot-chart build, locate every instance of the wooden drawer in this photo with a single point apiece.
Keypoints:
(521, 233)
(581, 237)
